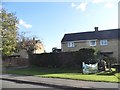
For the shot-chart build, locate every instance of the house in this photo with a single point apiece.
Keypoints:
(39, 48)
(106, 41)
(32, 46)
(36, 46)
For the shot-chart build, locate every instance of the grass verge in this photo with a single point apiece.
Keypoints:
(67, 74)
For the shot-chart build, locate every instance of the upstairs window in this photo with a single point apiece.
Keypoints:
(92, 43)
(103, 42)
(71, 44)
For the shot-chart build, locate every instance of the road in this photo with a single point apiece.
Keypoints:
(10, 84)
(14, 85)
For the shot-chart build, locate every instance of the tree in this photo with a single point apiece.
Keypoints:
(8, 32)
(27, 43)
(87, 55)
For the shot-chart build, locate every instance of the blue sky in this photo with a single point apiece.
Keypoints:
(49, 21)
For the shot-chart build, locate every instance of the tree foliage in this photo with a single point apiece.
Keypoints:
(8, 32)
(87, 55)
(29, 45)
(26, 43)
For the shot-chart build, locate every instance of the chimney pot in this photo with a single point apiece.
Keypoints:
(96, 28)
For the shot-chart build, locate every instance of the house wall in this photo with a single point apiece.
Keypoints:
(111, 47)
(39, 48)
(78, 45)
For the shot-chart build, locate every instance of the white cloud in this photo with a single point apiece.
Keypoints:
(109, 5)
(82, 6)
(23, 23)
(73, 5)
(97, 1)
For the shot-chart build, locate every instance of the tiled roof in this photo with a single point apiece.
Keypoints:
(101, 34)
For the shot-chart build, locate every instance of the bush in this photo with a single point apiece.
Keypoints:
(55, 60)
(63, 59)
(87, 55)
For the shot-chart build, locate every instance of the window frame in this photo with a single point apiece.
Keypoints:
(91, 41)
(70, 44)
(103, 42)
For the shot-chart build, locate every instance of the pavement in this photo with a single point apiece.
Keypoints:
(62, 83)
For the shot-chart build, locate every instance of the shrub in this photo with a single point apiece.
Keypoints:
(55, 60)
(87, 55)
(63, 59)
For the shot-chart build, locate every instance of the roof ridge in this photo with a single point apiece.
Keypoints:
(102, 34)
(93, 31)
(81, 32)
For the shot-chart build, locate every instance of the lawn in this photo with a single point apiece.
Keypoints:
(67, 73)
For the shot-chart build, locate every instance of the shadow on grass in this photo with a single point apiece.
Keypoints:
(41, 71)
(106, 73)
(45, 71)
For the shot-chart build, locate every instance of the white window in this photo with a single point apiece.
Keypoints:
(92, 43)
(103, 42)
(71, 44)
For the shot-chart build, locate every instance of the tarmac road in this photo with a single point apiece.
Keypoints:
(54, 83)
(10, 84)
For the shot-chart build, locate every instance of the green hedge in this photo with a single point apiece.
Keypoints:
(63, 59)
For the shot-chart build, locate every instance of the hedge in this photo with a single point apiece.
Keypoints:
(63, 59)
(58, 60)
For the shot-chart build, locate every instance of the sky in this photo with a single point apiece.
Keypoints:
(49, 21)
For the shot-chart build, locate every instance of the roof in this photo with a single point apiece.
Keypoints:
(101, 34)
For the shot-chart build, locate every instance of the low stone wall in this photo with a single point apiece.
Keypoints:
(15, 62)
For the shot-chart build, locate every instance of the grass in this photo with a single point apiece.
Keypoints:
(67, 74)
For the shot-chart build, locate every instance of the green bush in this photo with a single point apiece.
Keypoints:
(63, 59)
(54, 60)
(87, 55)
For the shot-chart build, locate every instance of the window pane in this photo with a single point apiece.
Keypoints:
(92, 43)
(103, 42)
(70, 44)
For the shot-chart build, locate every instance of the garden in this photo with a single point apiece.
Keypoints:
(81, 65)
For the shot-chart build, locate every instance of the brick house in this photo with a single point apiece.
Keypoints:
(106, 41)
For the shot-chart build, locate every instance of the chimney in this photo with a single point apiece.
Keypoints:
(96, 29)
(33, 38)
